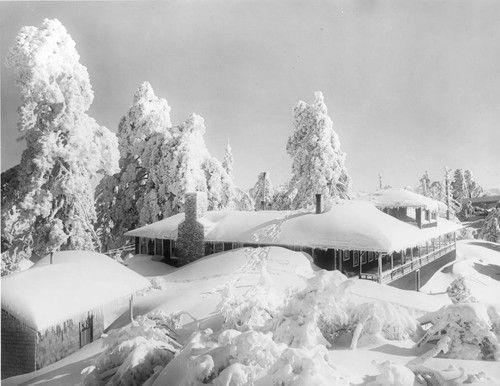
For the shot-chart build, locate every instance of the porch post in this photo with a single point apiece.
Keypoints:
(392, 262)
(131, 307)
(360, 263)
(379, 258)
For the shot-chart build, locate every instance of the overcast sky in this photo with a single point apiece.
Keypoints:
(410, 85)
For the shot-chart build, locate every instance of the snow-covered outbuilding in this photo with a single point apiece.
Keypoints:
(352, 236)
(54, 308)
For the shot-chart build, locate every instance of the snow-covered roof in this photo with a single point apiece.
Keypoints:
(346, 224)
(76, 282)
(397, 198)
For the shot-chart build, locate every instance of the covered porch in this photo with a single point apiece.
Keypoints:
(393, 266)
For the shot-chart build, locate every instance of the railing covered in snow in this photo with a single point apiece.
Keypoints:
(410, 266)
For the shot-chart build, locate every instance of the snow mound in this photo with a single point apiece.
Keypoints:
(44, 295)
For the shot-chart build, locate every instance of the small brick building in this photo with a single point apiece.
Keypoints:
(52, 310)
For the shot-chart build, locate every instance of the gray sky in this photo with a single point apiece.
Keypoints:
(410, 85)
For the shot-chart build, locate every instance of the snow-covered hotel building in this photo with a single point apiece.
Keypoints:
(393, 237)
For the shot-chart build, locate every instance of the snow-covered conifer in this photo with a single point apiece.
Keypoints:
(424, 186)
(159, 164)
(459, 292)
(436, 191)
(65, 147)
(490, 231)
(459, 185)
(227, 163)
(263, 191)
(317, 161)
(474, 189)
(125, 197)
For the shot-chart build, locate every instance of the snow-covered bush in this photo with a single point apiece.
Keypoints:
(392, 374)
(250, 358)
(297, 367)
(133, 353)
(158, 283)
(465, 331)
(490, 231)
(459, 292)
(381, 318)
(314, 314)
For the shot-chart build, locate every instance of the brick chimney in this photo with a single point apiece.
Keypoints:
(318, 204)
(191, 233)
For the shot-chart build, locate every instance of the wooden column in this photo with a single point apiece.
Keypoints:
(131, 307)
(380, 257)
(392, 262)
(360, 263)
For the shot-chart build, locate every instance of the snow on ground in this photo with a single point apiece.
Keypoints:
(199, 287)
(479, 262)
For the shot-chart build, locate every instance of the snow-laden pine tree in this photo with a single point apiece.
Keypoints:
(159, 164)
(317, 161)
(474, 189)
(263, 191)
(141, 133)
(436, 191)
(459, 186)
(424, 186)
(490, 231)
(227, 163)
(50, 193)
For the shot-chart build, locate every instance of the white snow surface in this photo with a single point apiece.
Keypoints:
(398, 198)
(76, 282)
(201, 285)
(345, 224)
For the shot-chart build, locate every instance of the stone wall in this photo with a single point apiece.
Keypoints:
(191, 233)
(61, 341)
(18, 347)
(24, 350)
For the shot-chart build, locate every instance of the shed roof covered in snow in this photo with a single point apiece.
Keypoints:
(76, 282)
(345, 224)
(398, 198)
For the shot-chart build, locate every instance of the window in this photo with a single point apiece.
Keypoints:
(364, 257)
(218, 247)
(159, 247)
(175, 251)
(144, 247)
(345, 255)
(151, 246)
(87, 331)
(370, 256)
(166, 248)
(355, 259)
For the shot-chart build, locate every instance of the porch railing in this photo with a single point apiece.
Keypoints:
(410, 266)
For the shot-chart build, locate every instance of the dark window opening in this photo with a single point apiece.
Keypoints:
(87, 331)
